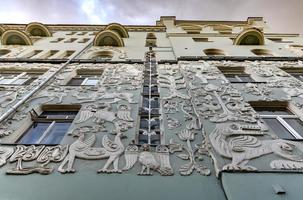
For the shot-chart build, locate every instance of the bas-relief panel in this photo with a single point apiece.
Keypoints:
(202, 115)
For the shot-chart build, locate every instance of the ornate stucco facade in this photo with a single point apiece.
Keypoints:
(179, 110)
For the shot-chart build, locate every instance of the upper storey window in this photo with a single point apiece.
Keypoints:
(202, 40)
(15, 78)
(236, 75)
(295, 72)
(262, 52)
(50, 126)
(88, 78)
(4, 52)
(214, 52)
(280, 40)
(280, 119)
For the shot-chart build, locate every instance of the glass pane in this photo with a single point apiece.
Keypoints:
(75, 81)
(33, 134)
(298, 76)
(155, 123)
(20, 81)
(145, 102)
(296, 124)
(5, 81)
(155, 103)
(231, 78)
(144, 124)
(278, 128)
(91, 82)
(29, 81)
(143, 139)
(246, 78)
(57, 133)
(155, 139)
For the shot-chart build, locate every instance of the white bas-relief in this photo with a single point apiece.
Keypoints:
(83, 148)
(104, 95)
(222, 103)
(121, 119)
(5, 153)
(52, 93)
(192, 154)
(173, 81)
(42, 154)
(157, 161)
(240, 143)
(260, 90)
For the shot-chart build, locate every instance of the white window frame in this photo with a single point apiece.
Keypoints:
(15, 78)
(84, 82)
(288, 127)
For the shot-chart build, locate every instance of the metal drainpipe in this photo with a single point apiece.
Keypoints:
(26, 97)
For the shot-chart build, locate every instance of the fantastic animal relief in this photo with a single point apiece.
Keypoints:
(83, 148)
(236, 142)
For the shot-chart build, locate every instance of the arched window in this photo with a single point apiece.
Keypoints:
(102, 55)
(214, 52)
(118, 28)
(108, 38)
(15, 37)
(262, 52)
(4, 52)
(251, 36)
(37, 29)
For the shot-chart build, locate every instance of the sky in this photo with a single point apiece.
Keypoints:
(281, 15)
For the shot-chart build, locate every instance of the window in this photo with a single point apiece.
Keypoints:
(70, 40)
(33, 53)
(262, 52)
(15, 78)
(296, 72)
(57, 40)
(280, 119)
(50, 126)
(50, 53)
(82, 33)
(71, 33)
(84, 40)
(214, 52)
(201, 40)
(236, 75)
(67, 54)
(4, 52)
(85, 78)
(280, 40)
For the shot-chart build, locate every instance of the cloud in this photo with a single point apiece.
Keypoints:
(282, 15)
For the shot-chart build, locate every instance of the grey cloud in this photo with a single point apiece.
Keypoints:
(281, 15)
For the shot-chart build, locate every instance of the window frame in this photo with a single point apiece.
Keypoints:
(278, 106)
(15, 76)
(236, 72)
(53, 120)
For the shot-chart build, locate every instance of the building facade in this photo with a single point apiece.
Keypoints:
(179, 110)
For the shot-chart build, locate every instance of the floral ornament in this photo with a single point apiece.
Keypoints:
(190, 154)
(186, 135)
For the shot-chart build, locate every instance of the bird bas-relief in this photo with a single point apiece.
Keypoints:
(242, 143)
(83, 148)
(151, 160)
